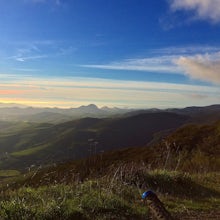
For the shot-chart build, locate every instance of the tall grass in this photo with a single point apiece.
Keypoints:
(113, 194)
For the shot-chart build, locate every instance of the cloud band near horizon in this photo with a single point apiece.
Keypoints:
(72, 92)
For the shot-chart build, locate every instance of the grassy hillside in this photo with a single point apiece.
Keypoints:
(115, 195)
(194, 147)
(190, 155)
(191, 148)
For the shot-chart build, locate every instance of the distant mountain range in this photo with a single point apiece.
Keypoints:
(12, 105)
(14, 112)
(198, 114)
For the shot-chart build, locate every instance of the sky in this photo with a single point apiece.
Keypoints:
(122, 53)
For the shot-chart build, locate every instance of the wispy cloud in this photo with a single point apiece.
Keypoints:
(35, 50)
(26, 69)
(78, 82)
(56, 2)
(23, 59)
(10, 92)
(63, 51)
(72, 91)
(201, 9)
(196, 62)
(27, 51)
(197, 96)
(185, 50)
(155, 64)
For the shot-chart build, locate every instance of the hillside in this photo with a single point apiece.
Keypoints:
(190, 148)
(205, 114)
(109, 185)
(179, 153)
(46, 143)
(196, 146)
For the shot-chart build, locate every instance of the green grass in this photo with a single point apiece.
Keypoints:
(89, 200)
(116, 195)
(9, 173)
(28, 151)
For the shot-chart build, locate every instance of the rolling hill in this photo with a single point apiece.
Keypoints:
(47, 143)
(191, 148)
(205, 114)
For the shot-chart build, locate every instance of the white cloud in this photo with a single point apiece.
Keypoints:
(196, 62)
(186, 50)
(154, 64)
(23, 59)
(202, 67)
(34, 50)
(27, 51)
(26, 69)
(71, 82)
(202, 9)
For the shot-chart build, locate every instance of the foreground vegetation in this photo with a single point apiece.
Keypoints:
(116, 195)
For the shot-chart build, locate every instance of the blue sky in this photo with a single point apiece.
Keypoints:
(125, 53)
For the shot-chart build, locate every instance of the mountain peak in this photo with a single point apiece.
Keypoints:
(90, 106)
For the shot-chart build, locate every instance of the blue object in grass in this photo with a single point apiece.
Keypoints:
(146, 194)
